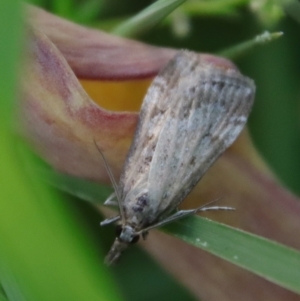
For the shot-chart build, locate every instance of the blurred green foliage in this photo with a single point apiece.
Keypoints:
(274, 125)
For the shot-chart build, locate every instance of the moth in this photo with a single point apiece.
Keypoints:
(192, 112)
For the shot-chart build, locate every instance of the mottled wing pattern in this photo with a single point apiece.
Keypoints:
(152, 116)
(209, 108)
(193, 111)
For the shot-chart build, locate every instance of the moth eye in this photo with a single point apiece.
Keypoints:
(135, 239)
(118, 230)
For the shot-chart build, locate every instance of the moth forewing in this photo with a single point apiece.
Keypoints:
(192, 113)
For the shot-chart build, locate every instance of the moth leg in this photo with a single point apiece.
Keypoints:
(184, 213)
(110, 220)
(110, 200)
(215, 208)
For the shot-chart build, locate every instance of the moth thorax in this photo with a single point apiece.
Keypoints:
(127, 234)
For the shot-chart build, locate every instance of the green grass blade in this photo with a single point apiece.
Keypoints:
(2, 295)
(210, 8)
(92, 192)
(147, 18)
(2, 298)
(244, 47)
(275, 262)
(45, 253)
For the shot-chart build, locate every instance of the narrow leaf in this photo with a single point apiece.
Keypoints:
(244, 47)
(273, 261)
(147, 18)
(2, 295)
(89, 191)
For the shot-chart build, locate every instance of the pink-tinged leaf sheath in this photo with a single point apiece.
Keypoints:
(61, 121)
(94, 54)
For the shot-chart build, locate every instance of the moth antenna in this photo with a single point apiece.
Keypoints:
(211, 202)
(112, 179)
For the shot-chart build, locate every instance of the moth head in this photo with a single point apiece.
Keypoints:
(127, 234)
